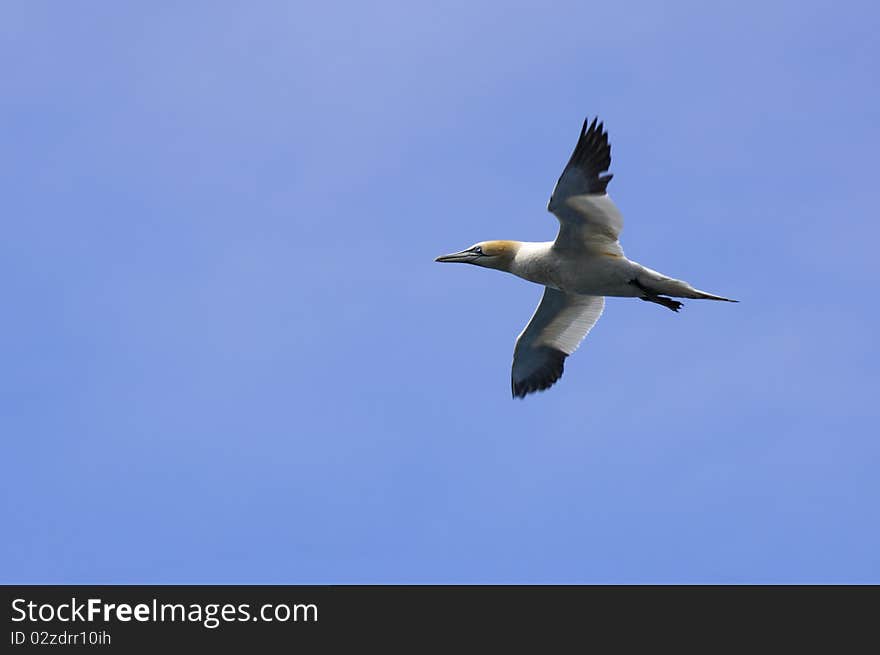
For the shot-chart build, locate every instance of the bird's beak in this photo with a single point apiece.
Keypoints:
(463, 256)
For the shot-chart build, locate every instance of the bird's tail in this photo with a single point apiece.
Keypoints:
(667, 286)
(702, 295)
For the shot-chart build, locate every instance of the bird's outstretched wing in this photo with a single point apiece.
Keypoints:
(588, 218)
(555, 330)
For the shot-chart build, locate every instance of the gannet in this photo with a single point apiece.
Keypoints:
(583, 265)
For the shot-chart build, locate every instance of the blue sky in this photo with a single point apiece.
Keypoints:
(228, 356)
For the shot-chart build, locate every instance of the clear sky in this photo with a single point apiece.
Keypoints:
(228, 357)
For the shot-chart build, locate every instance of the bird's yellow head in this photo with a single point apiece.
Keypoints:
(490, 254)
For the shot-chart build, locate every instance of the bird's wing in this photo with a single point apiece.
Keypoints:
(587, 215)
(555, 330)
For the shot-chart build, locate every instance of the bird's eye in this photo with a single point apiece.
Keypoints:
(478, 250)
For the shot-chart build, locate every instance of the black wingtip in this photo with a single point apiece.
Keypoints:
(592, 155)
(543, 379)
(595, 126)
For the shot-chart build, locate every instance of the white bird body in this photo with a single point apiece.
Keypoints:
(583, 265)
(592, 273)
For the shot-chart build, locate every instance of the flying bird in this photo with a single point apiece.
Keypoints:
(583, 265)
